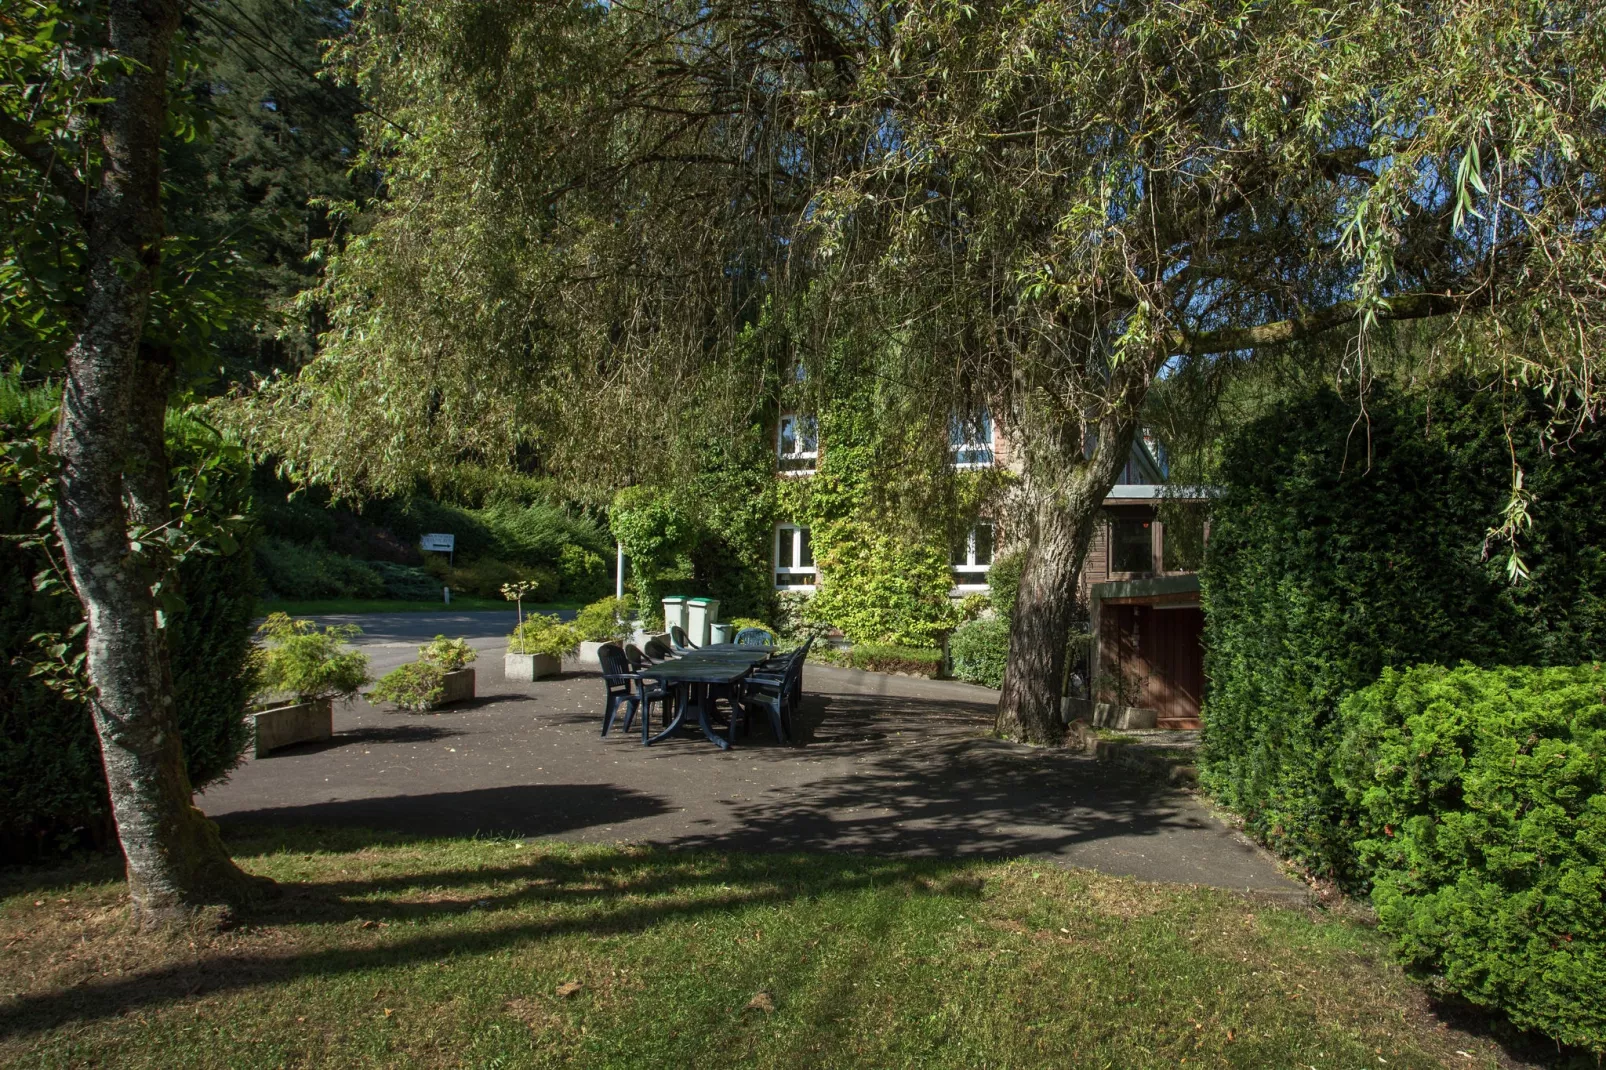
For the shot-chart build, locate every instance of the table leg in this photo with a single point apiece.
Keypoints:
(674, 725)
(702, 718)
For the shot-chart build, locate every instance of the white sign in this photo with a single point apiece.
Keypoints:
(443, 544)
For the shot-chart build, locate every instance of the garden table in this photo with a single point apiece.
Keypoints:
(702, 669)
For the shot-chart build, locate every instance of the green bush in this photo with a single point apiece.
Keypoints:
(291, 570)
(792, 620)
(306, 662)
(52, 786)
(1480, 797)
(416, 686)
(544, 633)
(979, 651)
(1003, 582)
(583, 573)
(1328, 564)
(448, 655)
(605, 620)
(407, 583)
(883, 657)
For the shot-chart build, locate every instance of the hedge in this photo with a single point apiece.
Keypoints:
(52, 788)
(1338, 550)
(1481, 821)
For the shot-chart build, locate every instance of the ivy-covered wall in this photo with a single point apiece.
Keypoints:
(881, 538)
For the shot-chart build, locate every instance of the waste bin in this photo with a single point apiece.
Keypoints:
(720, 633)
(674, 611)
(700, 613)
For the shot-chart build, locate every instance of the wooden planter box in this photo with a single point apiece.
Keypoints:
(302, 723)
(457, 687)
(530, 666)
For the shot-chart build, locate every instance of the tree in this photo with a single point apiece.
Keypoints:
(84, 110)
(1067, 202)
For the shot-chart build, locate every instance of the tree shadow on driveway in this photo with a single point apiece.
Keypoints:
(519, 811)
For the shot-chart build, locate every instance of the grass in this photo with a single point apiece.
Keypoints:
(479, 953)
(328, 606)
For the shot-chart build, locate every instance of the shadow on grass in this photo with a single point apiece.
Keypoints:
(594, 893)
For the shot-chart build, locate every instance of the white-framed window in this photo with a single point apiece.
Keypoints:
(970, 437)
(797, 443)
(973, 557)
(794, 557)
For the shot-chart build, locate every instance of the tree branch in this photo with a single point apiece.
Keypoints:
(1400, 307)
(19, 138)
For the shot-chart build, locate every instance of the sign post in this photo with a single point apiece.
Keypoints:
(439, 543)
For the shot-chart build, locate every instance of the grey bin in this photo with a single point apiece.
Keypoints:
(700, 613)
(674, 611)
(720, 633)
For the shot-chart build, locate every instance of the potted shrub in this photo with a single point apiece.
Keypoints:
(439, 677)
(607, 620)
(538, 646)
(303, 668)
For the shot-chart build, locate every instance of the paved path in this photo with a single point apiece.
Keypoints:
(390, 639)
(885, 765)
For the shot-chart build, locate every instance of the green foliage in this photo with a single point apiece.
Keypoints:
(883, 657)
(979, 650)
(406, 583)
(448, 655)
(1335, 554)
(416, 686)
(293, 570)
(1480, 797)
(1003, 581)
(654, 533)
(739, 623)
(792, 620)
(605, 620)
(52, 787)
(583, 572)
(544, 633)
(307, 662)
(881, 587)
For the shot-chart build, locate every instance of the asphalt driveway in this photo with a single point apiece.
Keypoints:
(884, 765)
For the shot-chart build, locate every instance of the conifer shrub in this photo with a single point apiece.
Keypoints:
(1480, 802)
(1337, 551)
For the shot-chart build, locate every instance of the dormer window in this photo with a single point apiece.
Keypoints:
(797, 444)
(972, 558)
(970, 437)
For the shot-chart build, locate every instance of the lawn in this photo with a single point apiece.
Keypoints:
(328, 606)
(384, 950)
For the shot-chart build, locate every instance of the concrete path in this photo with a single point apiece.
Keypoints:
(392, 639)
(885, 765)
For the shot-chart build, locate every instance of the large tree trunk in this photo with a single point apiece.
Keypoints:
(111, 425)
(1065, 495)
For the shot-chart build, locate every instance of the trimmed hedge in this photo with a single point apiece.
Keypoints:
(1481, 803)
(882, 657)
(1325, 567)
(52, 787)
(979, 650)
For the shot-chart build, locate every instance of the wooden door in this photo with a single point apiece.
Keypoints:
(1176, 654)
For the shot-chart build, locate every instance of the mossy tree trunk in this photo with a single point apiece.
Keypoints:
(113, 476)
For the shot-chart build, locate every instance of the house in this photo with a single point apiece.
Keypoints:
(1139, 581)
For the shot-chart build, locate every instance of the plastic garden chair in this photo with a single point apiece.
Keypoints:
(679, 640)
(626, 687)
(754, 637)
